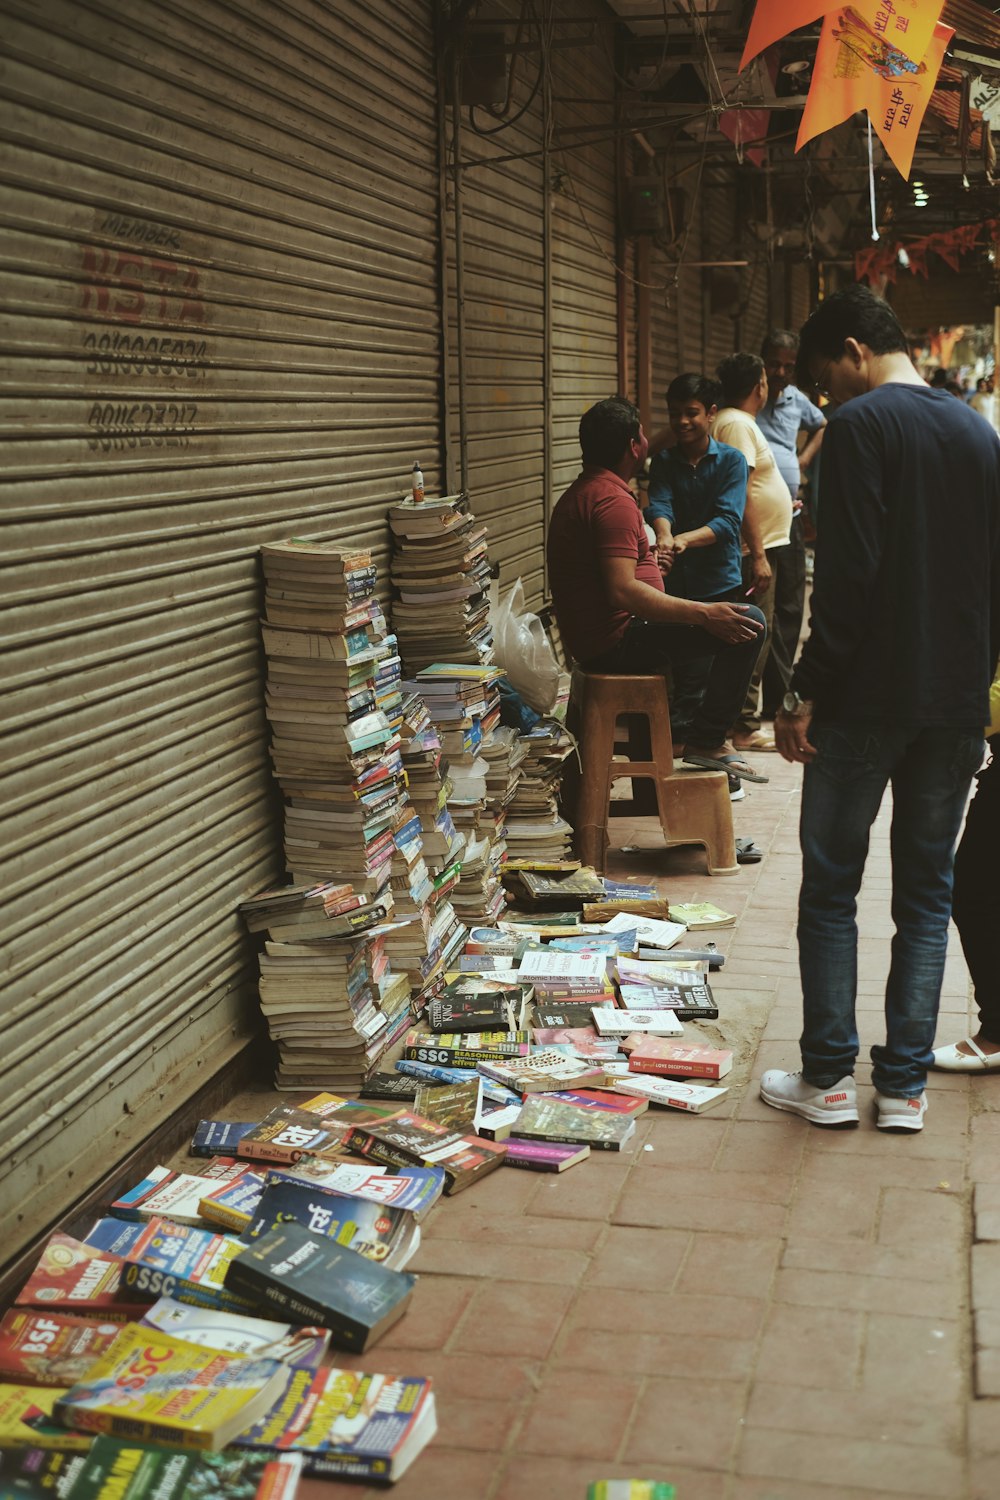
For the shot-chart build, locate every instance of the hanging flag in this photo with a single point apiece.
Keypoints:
(908, 23)
(856, 68)
(747, 129)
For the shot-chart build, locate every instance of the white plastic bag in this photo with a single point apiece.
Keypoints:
(523, 650)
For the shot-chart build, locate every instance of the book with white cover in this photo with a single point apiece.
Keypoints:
(652, 933)
(693, 1097)
(546, 964)
(610, 1021)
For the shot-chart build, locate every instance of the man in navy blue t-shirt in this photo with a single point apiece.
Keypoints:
(892, 686)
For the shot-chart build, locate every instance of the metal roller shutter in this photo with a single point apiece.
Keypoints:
(499, 237)
(584, 292)
(221, 321)
(664, 299)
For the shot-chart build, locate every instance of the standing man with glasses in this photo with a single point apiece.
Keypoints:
(787, 412)
(892, 687)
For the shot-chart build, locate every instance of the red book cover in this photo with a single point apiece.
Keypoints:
(679, 1060)
(79, 1278)
(50, 1348)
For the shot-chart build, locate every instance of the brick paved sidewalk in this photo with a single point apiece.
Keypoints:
(745, 1305)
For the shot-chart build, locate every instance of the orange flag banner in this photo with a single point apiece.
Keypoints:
(909, 24)
(856, 68)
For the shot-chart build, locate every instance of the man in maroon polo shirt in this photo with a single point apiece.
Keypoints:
(607, 589)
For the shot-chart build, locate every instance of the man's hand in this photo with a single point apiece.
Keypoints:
(731, 623)
(665, 559)
(761, 574)
(791, 734)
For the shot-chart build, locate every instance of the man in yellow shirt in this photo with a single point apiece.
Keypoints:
(767, 523)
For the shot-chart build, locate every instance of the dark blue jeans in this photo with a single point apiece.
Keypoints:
(715, 674)
(930, 771)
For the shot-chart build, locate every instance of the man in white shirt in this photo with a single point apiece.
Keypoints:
(787, 412)
(766, 521)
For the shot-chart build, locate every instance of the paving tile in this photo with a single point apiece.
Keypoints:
(744, 1488)
(892, 1468)
(633, 1257)
(501, 1319)
(910, 1216)
(986, 1328)
(874, 1415)
(986, 1277)
(984, 1478)
(501, 1379)
(986, 1372)
(701, 1210)
(572, 1415)
(825, 1211)
(669, 1426)
(693, 1141)
(986, 1211)
(581, 1193)
(984, 1158)
(761, 1146)
(504, 1262)
(731, 1263)
(921, 1261)
(671, 1314)
(704, 1358)
(854, 1292)
(433, 1314)
(983, 1429)
(930, 1350)
(893, 1167)
(524, 1230)
(811, 1346)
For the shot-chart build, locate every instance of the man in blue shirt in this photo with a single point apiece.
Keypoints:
(785, 414)
(697, 495)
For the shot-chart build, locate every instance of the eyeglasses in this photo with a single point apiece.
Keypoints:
(823, 383)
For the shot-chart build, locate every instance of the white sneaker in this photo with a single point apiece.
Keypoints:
(834, 1106)
(900, 1114)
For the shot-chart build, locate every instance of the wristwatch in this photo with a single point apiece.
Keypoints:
(792, 704)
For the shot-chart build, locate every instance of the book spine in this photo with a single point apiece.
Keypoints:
(388, 1156)
(134, 1429)
(674, 1069)
(532, 1166)
(330, 1466)
(305, 1311)
(284, 1156)
(557, 1139)
(454, 1057)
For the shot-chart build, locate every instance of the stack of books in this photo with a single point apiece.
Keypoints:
(440, 570)
(463, 703)
(426, 769)
(535, 828)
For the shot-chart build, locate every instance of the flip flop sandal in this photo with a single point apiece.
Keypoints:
(733, 765)
(747, 852)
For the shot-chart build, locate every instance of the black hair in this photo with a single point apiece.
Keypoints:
(694, 388)
(940, 376)
(855, 313)
(739, 374)
(779, 338)
(606, 431)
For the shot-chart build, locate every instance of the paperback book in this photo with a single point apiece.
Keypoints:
(50, 1348)
(414, 1189)
(75, 1277)
(375, 1230)
(544, 1156)
(238, 1333)
(661, 1055)
(544, 1071)
(350, 1424)
(672, 1093)
(313, 1280)
(411, 1139)
(619, 1022)
(544, 1119)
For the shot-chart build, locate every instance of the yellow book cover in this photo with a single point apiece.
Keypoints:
(26, 1420)
(158, 1389)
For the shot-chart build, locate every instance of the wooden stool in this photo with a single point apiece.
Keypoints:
(693, 807)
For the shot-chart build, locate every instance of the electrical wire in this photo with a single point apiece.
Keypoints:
(506, 123)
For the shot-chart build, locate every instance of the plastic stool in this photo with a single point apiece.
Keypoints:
(693, 807)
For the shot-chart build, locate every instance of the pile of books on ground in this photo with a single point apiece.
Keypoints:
(337, 983)
(463, 703)
(184, 1343)
(426, 768)
(560, 1027)
(440, 570)
(535, 828)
